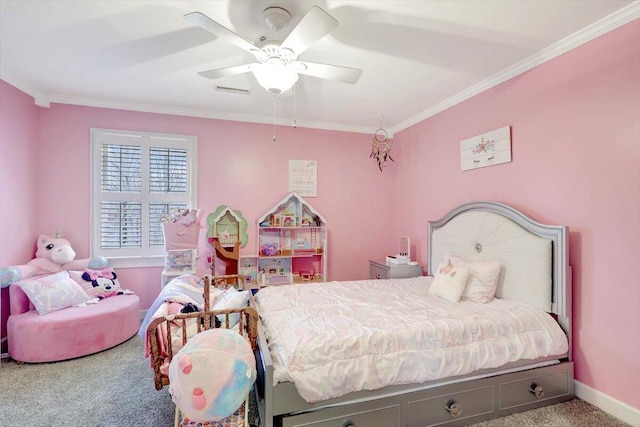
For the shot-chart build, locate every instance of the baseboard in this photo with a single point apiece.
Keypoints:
(612, 406)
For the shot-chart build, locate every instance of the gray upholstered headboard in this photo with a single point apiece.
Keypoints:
(534, 256)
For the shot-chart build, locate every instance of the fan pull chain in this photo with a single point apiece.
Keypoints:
(274, 119)
(294, 106)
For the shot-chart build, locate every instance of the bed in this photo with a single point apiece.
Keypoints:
(306, 379)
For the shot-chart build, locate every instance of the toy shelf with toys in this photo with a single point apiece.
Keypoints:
(292, 242)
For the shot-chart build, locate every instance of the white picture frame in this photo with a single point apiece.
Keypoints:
(303, 177)
(487, 149)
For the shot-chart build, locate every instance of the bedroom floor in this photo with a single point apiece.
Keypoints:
(573, 413)
(115, 387)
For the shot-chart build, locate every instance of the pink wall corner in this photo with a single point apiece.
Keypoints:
(239, 166)
(18, 186)
(576, 161)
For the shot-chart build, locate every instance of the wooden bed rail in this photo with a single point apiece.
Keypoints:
(203, 320)
(222, 282)
(162, 327)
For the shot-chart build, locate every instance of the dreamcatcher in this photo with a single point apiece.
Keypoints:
(380, 148)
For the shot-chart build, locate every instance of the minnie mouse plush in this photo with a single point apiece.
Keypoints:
(104, 283)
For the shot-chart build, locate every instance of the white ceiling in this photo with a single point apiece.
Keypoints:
(417, 57)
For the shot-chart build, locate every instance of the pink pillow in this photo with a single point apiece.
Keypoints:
(53, 292)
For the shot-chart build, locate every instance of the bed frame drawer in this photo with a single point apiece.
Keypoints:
(456, 404)
(534, 389)
(335, 417)
(451, 408)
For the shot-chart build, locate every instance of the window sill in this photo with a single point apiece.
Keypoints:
(136, 261)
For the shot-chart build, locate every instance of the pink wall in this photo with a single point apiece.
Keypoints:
(576, 161)
(18, 191)
(239, 166)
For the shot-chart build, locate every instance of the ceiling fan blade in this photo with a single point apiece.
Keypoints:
(329, 72)
(314, 25)
(224, 72)
(220, 30)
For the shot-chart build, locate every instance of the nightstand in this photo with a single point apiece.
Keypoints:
(382, 270)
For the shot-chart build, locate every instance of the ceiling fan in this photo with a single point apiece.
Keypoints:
(277, 67)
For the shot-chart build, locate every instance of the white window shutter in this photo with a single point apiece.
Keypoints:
(137, 178)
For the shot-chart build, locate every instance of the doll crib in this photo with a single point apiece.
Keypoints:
(163, 329)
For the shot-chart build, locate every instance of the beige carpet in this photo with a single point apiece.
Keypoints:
(115, 388)
(574, 413)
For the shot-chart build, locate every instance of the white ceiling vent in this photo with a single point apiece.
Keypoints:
(234, 90)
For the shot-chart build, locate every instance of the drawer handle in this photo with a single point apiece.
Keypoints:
(536, 389)
(348, 423)
(377, 277)
(455, 409)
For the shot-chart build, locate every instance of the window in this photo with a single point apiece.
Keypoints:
(136, 178)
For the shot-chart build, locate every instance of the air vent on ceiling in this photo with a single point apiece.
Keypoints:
(235, 90)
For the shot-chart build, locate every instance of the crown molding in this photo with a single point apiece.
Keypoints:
(39, 98)
(604, 25)
(598, 28)
(201, 113)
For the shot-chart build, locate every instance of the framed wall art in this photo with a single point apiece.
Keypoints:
(303, 177)
(487, 149)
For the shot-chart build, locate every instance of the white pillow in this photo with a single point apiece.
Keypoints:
(449, 281)
(483, 279)
(232, 298)
(53, 292)
(215, 295)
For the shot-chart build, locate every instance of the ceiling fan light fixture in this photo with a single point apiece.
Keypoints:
(275, 78)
